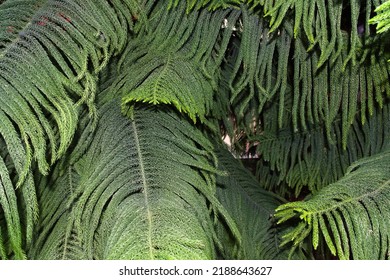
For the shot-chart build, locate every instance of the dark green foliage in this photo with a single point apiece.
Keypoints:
(112, 114)
(252, 208)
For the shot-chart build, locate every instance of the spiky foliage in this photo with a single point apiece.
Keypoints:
(382, 19)
(252, 208)
(143, 190)
(292, 160)
(351, 215)
(50, 55)
(177, 50)
(306, 82)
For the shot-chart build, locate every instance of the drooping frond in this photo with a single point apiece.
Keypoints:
(252, 208)
(177, 60)
(145, 189)
(324, 24)
(50, 55)
(309, 159)
(351, 215)
(264, 67)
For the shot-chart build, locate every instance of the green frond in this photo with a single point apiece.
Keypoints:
(304, 83)
(50, 55)
(262, 68)
(252, 208)
(382, 18)
(175, 61)
(173, 81)
(325, 23)
(145, 189)
(351, 215)
(293, 160)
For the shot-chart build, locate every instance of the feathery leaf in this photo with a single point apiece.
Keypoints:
(144, 190)
(352, 213)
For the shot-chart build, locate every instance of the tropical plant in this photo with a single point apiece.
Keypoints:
(113, 115)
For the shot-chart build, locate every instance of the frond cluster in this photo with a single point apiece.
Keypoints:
(112, 114)
(351, 216)
(125, 198)
(175, 61)
(382, 19)
(309, 159)
(50, 55)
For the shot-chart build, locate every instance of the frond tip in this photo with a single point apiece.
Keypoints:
(382, 19)
(176, 82)
(351, 216)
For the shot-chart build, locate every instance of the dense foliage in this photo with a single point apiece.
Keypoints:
(146, 129)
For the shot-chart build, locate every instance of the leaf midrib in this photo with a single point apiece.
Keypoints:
(145, 188)
(351, 199)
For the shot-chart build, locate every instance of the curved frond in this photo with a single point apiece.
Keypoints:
(252, 209)
(382, 19)
(145, 189)
(50, 55)
(176, 61)
(351, 215)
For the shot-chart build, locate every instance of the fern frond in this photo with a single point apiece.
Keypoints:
(252, 208)
(351, 215)
(308, 159)
(382, 19)
(263, 68)
(175, 61)
(325, 24)
(169, 83)
(145, 189)
(50, 55)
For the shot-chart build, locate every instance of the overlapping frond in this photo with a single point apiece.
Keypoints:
(307, 82)
(50, 55)
(177, 60)
(145, 189)
(252, 208)
(351, 215)
(309, 159)
(264, 66)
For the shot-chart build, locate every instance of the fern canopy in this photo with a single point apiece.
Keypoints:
(50, 55)
(112, 114)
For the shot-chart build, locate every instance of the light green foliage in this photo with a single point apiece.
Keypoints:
(350, 215)
(382, 19)
(143, 190)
